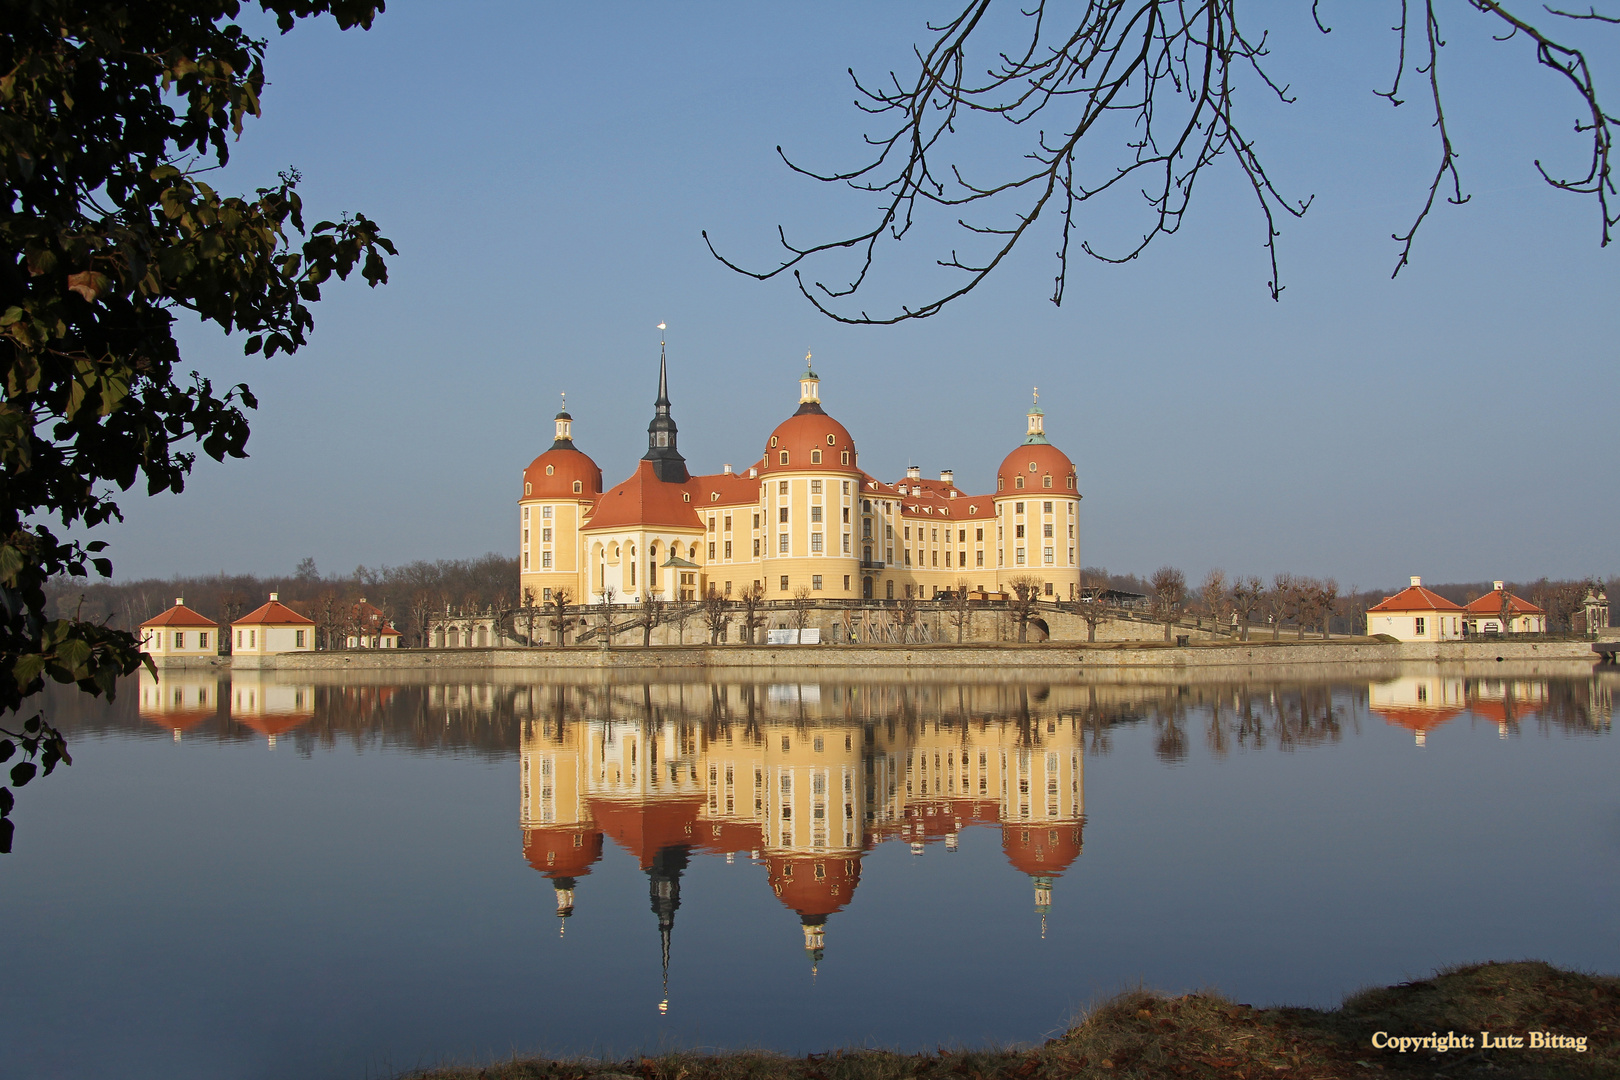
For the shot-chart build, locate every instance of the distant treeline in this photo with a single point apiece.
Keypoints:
(407, 595)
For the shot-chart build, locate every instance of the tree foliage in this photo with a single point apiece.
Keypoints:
(1135, 96)
(110, 115)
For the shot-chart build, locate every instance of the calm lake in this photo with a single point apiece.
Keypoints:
(273, 876)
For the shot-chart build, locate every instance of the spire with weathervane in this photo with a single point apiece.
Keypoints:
(809, 390)
(565, 428)
(667, 463)
(1037, 422)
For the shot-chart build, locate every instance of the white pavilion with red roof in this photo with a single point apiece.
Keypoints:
(179, 632)
(1417, 614)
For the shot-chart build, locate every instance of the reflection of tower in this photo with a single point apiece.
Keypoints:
(815, 886)
(564, 855)
(1043, 900)
(664, 885)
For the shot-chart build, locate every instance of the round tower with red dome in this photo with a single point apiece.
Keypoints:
(559, 488)
(1037, 504)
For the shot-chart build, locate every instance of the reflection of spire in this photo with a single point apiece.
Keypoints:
(565, 901)
(815, 939)
(1043, 901)
(664, 881)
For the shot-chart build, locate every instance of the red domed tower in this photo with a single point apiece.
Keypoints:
(1037, 505)
(1043, 850)
(559, 487)
(815, 886)
(563, 854)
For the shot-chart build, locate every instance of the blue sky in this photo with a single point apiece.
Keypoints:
(546, 170)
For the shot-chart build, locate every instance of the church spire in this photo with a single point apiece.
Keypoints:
(667, 463)
(1037, 422)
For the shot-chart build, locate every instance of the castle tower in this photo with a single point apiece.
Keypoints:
(667, 462)
(1037, 504)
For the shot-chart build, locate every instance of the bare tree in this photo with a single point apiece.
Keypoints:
(1093, 612)
(1169, 591)
(1279, 602)
(331, 617)
(683, 612)
(1215, 597)
(500, 614)
(528, 613)
(561, 621)
(961, 610)
(1162, 80)
(1327, 602)
(715, 615)
(1026, 596)
(905, 610)
(1246, 596)
(752, 599)
(651, 614)
(801, 612)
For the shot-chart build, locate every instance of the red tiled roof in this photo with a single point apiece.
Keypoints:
(1415, 598)
(1048, 461)
(1041, 848)
(180, 615)
(567, 465)
(803, 432)
(645, 500)
(1415, 719)
(733, 489)
(643, 827)
(794, 881)
(562, 850)
(1491, 604)
(273, 613)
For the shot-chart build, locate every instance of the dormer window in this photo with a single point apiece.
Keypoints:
(784, 456)
(550, 469)
(815, 457)
(1046, 481)
(831, 441)
(528, 488)
(1018, 481)
(843, 458)
(1032, 466)
(578, 487)
(773, 440)
(686, 496)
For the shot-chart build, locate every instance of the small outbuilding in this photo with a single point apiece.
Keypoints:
(1500, 612)
(178, 632)
(270, 629)
(1417, 614)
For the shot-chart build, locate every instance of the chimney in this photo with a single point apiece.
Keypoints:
(179, 601)
(913, 472)
(947, 476)
(1416, 581)
(726, 469)
(1498, 585)
(275, 597)
(753, 474)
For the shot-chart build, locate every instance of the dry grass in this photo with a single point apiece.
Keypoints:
(1142, 1035)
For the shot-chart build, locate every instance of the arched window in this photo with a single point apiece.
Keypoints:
(815, 457)
(784, 457)
(843, 458)
(1018, 481)
(1046, 481)
(578, 487)
(550, 469)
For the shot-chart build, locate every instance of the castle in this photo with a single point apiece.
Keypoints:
(804, 516)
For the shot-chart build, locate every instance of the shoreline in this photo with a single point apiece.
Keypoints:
(1046, 657)
(1142, 1035)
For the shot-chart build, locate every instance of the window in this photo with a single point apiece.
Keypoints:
(545, 511)
(202, 641)
(1071, 483)
(784, 457)
(1048, 555)
(525, 560)
(1417, 627)
(180, 640)
(815, 584)
(239, 639)
(756, 521)
(545, 596)
(933, 534)
(784, 583)
(846, 583)
(525, 513)
(728, 523)
(545, 560)
(298, 639)
(578, 487)
(846, 487)
(756, 547)
(815, 542)
(1018, 531)
(933, 559)
(711, 552)
(1018, 508)
(866, 506)
(866, 529)
(889, 589)
(711, 523)
(815, 512)
(846, 543)
(978, 534)
(728, 549)
(961, 536)
(815, 485)
(781, 515)
(545, 536)
(781, 488)
(1018, 481)
(815, 457)
(1020, 557)
(908, 532)
(978, 557)
(1047, 530)
(782, 543)
(1046, 481)
(843, 458)
(253, 638)
(908, 563)
(1046, 508)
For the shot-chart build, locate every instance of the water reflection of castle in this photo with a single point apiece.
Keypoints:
(806, 798)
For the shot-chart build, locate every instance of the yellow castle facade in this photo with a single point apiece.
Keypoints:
(803, 516)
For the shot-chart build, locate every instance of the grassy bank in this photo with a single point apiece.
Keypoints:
(1143, 1035)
